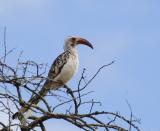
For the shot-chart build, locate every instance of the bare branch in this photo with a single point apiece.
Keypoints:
(21, 82)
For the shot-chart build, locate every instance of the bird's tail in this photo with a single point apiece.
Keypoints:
(26, 111)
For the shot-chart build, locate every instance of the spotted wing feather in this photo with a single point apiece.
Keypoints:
(58, 64)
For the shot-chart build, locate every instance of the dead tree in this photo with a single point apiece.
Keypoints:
(20, 82)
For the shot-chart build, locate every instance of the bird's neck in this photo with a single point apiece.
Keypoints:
(73, 51)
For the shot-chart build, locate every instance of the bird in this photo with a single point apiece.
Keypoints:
(61, 71)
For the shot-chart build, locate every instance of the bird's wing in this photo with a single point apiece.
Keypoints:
(54, 71)
(58, 64)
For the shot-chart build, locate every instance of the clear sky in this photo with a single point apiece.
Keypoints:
(127, 31)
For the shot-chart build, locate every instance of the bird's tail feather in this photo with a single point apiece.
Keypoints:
(26, 112)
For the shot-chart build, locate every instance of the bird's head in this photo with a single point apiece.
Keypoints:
(72, 42)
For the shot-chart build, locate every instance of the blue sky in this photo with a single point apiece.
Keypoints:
(126, 31)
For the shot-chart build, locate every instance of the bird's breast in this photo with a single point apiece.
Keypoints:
(69, 69)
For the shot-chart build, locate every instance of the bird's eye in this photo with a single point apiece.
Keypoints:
(73, 39)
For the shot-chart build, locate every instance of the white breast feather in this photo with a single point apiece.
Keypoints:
(69, 69)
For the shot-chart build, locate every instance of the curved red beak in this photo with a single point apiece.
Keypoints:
(84, 42)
